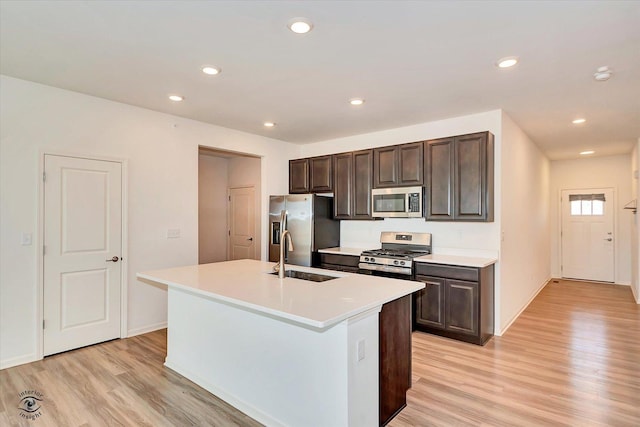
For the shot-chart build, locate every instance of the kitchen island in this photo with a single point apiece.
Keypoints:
(287, 352)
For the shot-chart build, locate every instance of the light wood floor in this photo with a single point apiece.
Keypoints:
(572, 358)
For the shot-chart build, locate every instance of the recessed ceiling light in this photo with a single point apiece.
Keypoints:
(212, 71)
(507, 62)
(300, 25)
(579, 121)
(176, 98)
(356, 101)
(585, 153)
(269, 124)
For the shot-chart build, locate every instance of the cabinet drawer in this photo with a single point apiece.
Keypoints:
(341, 260)
(447, 271)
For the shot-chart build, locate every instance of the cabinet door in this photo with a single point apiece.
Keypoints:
(471, 177)
(461, 306)
(321, 174)
(430, 302)
(343, 186)
(411, 164)
(298, 176)
(385, 167)
(439, 172)
(362, 183)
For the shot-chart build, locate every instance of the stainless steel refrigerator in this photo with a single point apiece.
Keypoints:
(310, 223)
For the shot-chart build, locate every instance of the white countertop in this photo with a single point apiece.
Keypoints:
(464, 261)
(248, 284)
(343, 251)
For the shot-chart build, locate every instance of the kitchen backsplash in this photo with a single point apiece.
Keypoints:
(465, 239)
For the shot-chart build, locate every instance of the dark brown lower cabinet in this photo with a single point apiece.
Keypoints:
(395, 357)
(457, 302)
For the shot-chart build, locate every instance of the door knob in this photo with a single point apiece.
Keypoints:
(114, 259)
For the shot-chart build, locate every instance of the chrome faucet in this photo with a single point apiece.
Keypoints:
(284, 235)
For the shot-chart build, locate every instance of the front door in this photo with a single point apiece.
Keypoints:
(588, 234)
(242, 223)
(83, 246)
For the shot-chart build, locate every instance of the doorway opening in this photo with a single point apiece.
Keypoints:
(587, 234)
(229, 205)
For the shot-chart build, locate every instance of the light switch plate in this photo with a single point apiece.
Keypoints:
(26, 239)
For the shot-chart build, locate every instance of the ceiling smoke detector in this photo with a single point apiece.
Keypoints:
(603, 74)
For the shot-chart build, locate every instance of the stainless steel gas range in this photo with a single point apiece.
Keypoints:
(395, 257)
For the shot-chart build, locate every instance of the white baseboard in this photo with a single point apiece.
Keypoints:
(15, 361)
(146, 329)
(636, 294)
(514, 318)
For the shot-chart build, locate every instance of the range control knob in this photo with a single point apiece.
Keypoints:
(366, 259)
(401, 262)
(372, 259)
(396, 262)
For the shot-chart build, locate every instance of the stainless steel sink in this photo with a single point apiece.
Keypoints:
(303, 275)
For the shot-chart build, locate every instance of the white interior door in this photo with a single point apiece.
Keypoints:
(82, 238)
(588, 234)
(242, 223)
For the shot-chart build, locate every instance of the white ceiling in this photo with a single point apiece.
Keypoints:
(413, 62)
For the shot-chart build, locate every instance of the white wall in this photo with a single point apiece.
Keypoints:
(162, 155)
(635, 229)
(595, 172)
(524, 253)
(213, 182)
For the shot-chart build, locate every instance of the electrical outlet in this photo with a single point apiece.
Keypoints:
(173, 233)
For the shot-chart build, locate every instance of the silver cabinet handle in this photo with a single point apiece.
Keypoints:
(114, 259)
(609, 239)
(250, 239)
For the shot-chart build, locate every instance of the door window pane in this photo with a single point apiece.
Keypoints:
(597, 207)
(586, 207)
(575, 207)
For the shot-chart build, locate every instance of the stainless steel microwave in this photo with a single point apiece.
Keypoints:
(400, 202)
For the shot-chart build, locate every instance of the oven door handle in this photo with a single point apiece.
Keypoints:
(385, 269)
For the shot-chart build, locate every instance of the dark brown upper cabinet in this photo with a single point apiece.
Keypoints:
(459, 178)
(343, 188)
(398, 165)
(311, 175)
(321, 174)
(353, 179)
(298, 176)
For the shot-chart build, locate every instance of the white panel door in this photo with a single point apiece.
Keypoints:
(588, 234)
(242, 223)
(82, 238)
